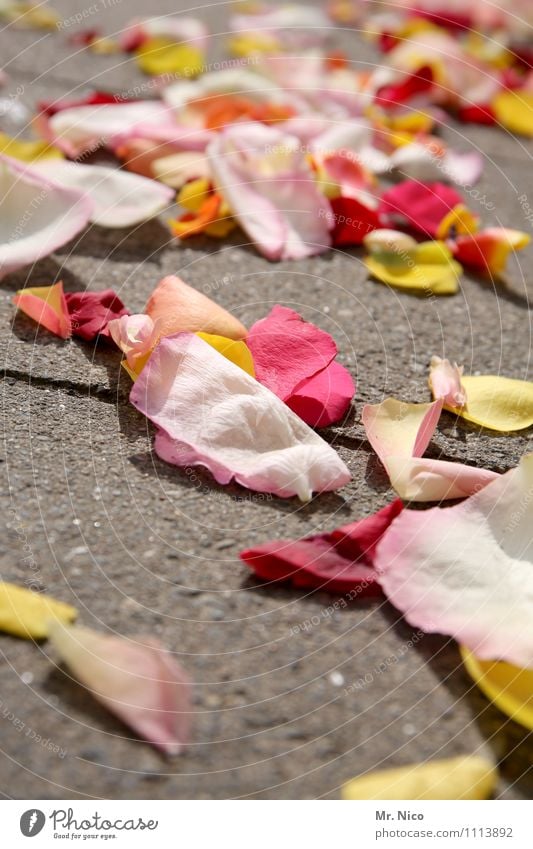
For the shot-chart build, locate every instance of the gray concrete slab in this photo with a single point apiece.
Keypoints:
(141, 547)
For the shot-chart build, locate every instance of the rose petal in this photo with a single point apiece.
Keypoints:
(268, 185)
(90, 312)
(324, 398)
(445, 382)
(212, 413)
(508, 686)
(419, 205)
(498, 403)
(120, 199)
(26, 613)
(178, 307)
(487, 251)
(137, 680)
(466, 571)
(47, 306)
(353, 221)
(339, 561)
(57, 215)
(288, 350)
(27, 151)
(434, 278)
(514, 110)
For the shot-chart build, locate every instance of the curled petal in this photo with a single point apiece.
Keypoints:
(136, 336)
(91, 312)
(120, 199)
(26, 613)
(467, 570)
(430, 208)
(508, 686)
(211, 413)
(178, 307)
(445, 382)
(487, 251)
(137, 680)
(324, 398)
(57, 215)
(498, 403)
(267, 183)
(339, 561)
(47, 306)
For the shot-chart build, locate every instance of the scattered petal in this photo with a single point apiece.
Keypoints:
(445, 382)
(160, 55)
(26, 613)
(120, 199)
(353, 221)
(178, 307)
(137, 680)
(136, 336)
(435, 278)
(509, 687)
(47, 306)
(267, 183)
(514, 110)
(27, 151)
(498, 403)
(430, 208)
(466, 570)
(324, 398)
(211, 413)
(463, 777)
(90, 312)
(399, 434)
(57, 215)
(487, 251)
(340, 561)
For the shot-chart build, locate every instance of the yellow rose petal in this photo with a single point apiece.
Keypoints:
(161, 56)
(508, 686)
(467, 777)
(28, 151)
(437, 279)
(498, 403)
(27, 614)
(514, 109)
(193, 194)
(236, 352)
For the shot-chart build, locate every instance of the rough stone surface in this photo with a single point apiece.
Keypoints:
(141, 547)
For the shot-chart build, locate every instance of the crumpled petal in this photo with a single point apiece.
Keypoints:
(495, 402)
(211, 413)
(120, 199)
(178, 307)
(236, 352)
(430, 208)
(339, 561)
(137, 680)
(136, 336)
(266, 181)
(295, 360)
(445, 382)
(57, 215)
(467, 570)
(399, 434)
(90, 312)
(47, 306)
(462, 777)
(26, 613)
(508, 686)
(487, 251)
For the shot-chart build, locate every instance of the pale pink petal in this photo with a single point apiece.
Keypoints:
(445, 382)
(86, 128)
(38, 215)
(398, 429)
(135, 335)
(266, 181)
(212, 413)
(120, 198)
(467, 570)
(138, 680)
(417, 162)
(424, 479)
